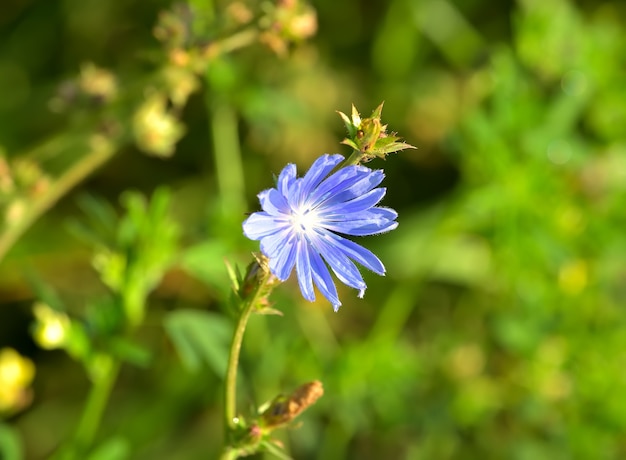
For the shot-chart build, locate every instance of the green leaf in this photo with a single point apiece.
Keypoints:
(349, 126)
(350, 143)
(200, 337)
(234, 276)
(10, 444)
(394, 147)
(101, 214)
(113, 449)
(130, 352)
(275, 450)
(45, 292)
(378, 111)
(205, 262)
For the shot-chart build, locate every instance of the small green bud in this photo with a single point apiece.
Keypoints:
(369, 136)
(259, 281)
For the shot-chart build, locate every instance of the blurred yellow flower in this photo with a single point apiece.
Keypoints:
(16, 374)
(52, 327)
(573, 277)
(156, 129)
(466, 361)
(97, 82)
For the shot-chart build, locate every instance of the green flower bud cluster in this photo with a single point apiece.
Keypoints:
(369, 137)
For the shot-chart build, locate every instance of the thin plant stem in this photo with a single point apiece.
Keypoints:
(229, 454)
(93, 411)
(234, 42)
(230, 385)
(57, 189)
(227, 153)
(230, 388)
(96, 404)
(353, 159)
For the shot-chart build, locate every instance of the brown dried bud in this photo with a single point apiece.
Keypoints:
(283, 409)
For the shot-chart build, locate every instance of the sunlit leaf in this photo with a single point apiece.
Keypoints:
(200, 338)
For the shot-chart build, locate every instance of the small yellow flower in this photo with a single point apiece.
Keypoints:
(16, 374)
(156, 130)
(52, 327)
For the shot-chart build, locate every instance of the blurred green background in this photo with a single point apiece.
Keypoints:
(500, 329)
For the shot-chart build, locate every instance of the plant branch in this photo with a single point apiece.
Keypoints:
(96, 404)
(93, 411)
(234, 42)
(74, 175)
(230, 400)
(249, 303)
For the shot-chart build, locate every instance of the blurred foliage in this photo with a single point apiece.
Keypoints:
(499, 330)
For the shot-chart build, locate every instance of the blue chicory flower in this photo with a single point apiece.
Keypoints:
(302, 220)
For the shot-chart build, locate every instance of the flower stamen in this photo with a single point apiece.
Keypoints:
(304, 221)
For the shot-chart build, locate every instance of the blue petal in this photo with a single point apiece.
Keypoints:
(286, 178)
(322, 278)
(316, 173)
(370, 222)
(273, 202)
(337, 183)
(361, 203)
(293, 193)
(261, 224)
(303, 269)
(273, 244)
(368, 179)
(358, 253)
(341, 265)
(281, 250)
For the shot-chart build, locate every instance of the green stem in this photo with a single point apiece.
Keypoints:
(355, 158)
(227, 153)
(229, 454)
(230, 388)
(92, 412)
(230, 385)
(96, 403)
(234, 42)
(75, 174)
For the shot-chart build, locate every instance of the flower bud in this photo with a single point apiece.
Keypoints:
(283, 409)
(369, 136)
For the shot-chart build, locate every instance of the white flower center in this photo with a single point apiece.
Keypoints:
(304, 220)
